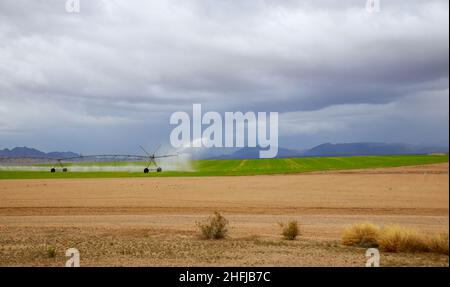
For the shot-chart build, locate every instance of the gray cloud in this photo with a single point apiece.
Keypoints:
(126, 65)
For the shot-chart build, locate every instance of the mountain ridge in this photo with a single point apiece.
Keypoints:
(18, 152)
(342, 149)
(325, 149)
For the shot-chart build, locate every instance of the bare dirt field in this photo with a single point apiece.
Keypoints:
(152, 221)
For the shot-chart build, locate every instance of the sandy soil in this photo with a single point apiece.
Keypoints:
(102, 217)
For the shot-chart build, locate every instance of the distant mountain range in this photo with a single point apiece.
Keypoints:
(327, 149)
(349, 149)
(247, 152)
(342, 149)
(31, 152)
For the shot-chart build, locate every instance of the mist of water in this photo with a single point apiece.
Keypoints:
(182, 162)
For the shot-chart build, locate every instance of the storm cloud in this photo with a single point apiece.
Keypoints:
(108, 78)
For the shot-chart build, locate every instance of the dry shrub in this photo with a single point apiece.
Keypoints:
(50, 252)
(290, 230)
(215, 227)
(363, 235)
(396, 238)
(439, 244)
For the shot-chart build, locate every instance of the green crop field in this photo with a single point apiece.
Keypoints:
(239, 167)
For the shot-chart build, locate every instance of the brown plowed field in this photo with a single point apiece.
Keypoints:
(152, 221)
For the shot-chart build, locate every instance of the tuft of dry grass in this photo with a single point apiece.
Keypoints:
(362, 235)
(215, 227)
(439, 243)
(290, 231)
(394, 238)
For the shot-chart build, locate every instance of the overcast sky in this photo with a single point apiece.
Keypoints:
(108, 78)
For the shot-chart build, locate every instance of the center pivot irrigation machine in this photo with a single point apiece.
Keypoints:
(61, 163)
